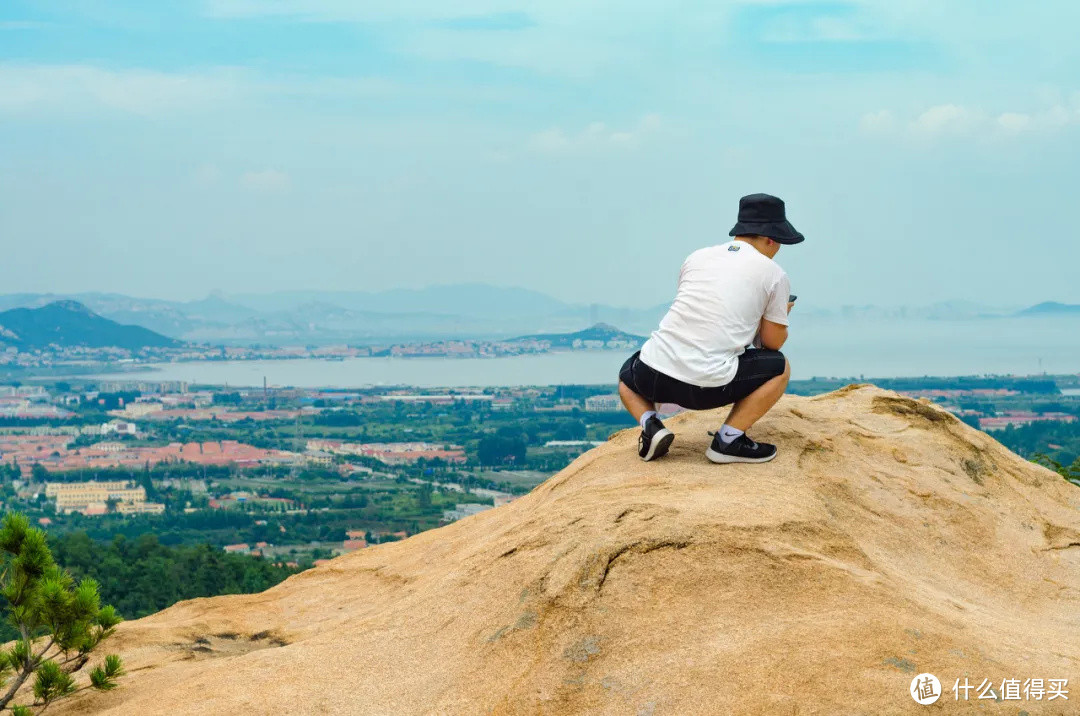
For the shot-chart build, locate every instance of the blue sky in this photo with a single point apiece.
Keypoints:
(929, 150)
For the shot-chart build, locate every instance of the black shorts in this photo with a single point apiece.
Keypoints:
(756, 367)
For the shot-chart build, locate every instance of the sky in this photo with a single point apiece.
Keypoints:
(928, 150)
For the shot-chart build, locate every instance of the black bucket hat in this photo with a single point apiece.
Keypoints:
(763, 215)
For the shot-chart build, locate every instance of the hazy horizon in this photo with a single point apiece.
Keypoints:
(239, 297)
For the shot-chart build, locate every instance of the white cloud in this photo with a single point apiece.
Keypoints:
(562, 51)
(76, 87)
(75, 90)
(822, 28)
(595, 137)
(267, 181)
(879, 122)
(947, 119)
(1014, 121)
(1049, 119)
(650, 123)
(549, 140)
(956, 120)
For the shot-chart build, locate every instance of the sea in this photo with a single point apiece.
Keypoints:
(817, 347)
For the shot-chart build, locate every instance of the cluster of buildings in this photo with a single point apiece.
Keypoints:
(256, 551)
(159, 387)
(44, 357)
(354, 540)
(55, 354)
(28, 402)
(613, 404)
(180, 404)
(496, 402)
(34, 402)
(999, 419)
(945, 394)
(169, 401)
(462, 511)
(240, 498)
(113, 427)
(357, 539)
(158, 412)
(442, 349)
(493, 349)
(158, 401)
(99, 498)
(1020, 418)
(54, 453)
(603, 403)
(26, 449)
(470, 349)
(391, 453)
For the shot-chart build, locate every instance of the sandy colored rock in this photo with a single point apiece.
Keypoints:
(887, 539)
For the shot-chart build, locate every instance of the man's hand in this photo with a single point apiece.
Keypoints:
(791, 304)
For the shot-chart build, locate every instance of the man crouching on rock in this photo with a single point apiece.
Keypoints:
(729, 296)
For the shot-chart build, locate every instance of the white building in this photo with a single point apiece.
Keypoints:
(603, 404)
(119, 427)
(463, 510)
(139, 409)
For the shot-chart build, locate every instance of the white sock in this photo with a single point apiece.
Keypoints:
(728, 434)
(645, 417)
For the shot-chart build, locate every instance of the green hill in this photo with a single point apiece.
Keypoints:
(69, 323)
(1051, 308)
(600, 332)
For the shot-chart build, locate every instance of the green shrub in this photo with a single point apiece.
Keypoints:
(60, 622)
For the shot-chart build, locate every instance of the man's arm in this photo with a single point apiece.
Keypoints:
(772, 335)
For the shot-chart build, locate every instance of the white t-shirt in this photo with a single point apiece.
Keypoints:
(724, 291)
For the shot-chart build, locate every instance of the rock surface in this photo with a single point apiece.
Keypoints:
(887, 539)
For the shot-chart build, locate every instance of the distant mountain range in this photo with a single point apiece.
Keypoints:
(477, 311)
(327, 317)
(69, 323)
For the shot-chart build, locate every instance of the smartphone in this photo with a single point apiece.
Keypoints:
(791, 298)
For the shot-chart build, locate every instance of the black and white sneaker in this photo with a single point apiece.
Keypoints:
(655, 439)
(741, 449)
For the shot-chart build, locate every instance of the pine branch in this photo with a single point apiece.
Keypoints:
(20, 657)
(80, 661)
(41, 654)
(20, 679)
